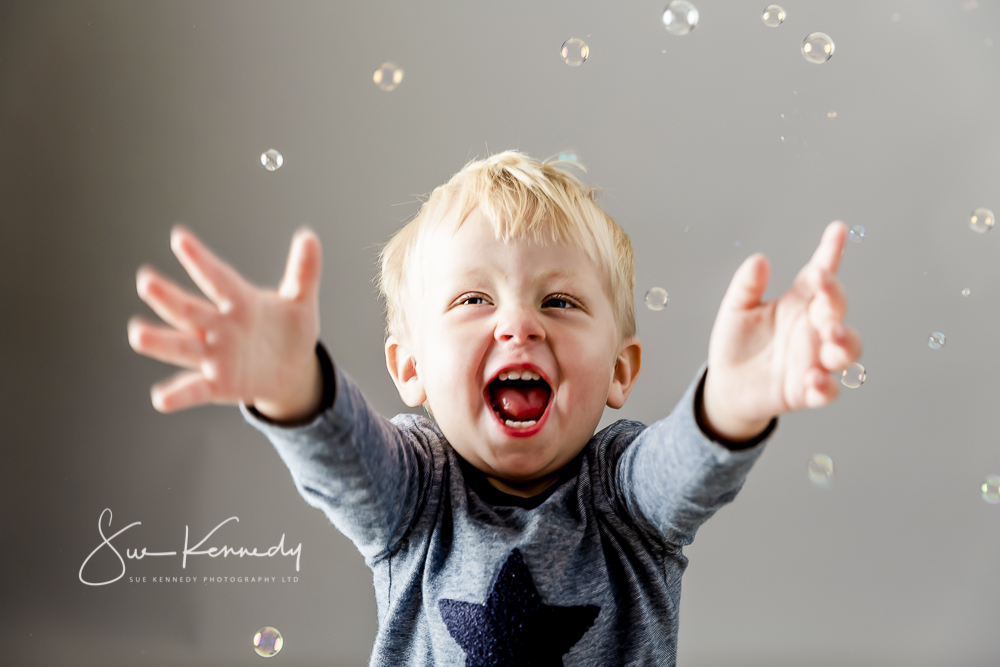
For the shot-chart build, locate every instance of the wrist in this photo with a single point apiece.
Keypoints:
(302, 402)
(721, 422)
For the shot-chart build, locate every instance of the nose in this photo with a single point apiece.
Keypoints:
(518, 324)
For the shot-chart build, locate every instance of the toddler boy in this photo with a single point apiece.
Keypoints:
(504, 531)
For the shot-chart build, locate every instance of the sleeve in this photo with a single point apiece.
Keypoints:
(673, 477)
(368, 474)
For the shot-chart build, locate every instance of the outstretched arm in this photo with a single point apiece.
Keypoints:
(766, 359)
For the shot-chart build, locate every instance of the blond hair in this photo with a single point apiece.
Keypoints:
(521, 198)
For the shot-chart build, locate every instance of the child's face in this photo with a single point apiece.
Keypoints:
(481, 308)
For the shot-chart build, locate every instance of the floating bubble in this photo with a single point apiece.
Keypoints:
(680, 17)
(267, 642)
(773, 16)
(831, 114)
(936, 340)
(966, 292)
(820, 470)
(982, 220)
(271, 159)
(857, 233)
(817, 47)
(656, 298)
(574, 51)
(991, 489)
(388, 76)
(853, 376)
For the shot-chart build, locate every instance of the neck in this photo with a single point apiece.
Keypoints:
(524, 489)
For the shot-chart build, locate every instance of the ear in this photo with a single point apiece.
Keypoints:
(625, 373)
(402, 367)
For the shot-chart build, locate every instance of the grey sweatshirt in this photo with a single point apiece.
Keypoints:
(588, 573)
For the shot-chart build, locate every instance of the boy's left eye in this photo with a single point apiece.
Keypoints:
(559, 302)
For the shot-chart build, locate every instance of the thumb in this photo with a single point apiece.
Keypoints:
(305, 263)
(748, 284)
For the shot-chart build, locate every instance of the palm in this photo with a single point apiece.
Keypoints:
(260, 366)
(770, 358)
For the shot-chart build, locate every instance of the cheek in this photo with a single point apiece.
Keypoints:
(454, 359)
(586, 373)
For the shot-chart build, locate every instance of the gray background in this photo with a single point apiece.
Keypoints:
(118, 119)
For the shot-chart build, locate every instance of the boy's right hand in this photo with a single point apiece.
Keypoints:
(244, 343)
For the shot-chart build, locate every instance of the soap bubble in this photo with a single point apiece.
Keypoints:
(680, 17)
(853, 376)
(773, 16)
(817, 47)
(991, 489)
(966, 292)
(656, 298)
(982, 220)
(271, 159)
(267, 642)
(831, 114)
(820, 470)
(936, 340)
(574, 51)
(857, 233)
(388, 76)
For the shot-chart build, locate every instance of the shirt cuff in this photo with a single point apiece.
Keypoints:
(327, 401)
(715, 437)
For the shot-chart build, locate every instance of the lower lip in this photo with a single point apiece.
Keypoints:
(519, 432)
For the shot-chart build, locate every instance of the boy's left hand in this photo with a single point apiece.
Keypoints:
(765, 359)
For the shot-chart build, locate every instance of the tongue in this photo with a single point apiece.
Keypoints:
(521, 404)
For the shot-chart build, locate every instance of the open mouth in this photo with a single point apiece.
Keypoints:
(519, 398)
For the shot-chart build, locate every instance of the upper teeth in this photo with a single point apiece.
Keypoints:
(519, 375)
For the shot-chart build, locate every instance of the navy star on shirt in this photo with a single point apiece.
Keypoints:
(514, 628)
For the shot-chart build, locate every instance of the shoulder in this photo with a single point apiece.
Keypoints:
(614, 438)
(420, 428)
(607, 447)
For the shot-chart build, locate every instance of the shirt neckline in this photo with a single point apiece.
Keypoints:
(476, 480)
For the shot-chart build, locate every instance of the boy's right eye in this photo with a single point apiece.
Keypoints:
(472, 300)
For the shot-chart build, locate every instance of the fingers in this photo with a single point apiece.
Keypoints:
(748, 283)
(828, 304)
(184, 390)
(840, 345)
(841, 349)
(831, 246)
(178, 307)
(170, 346)
(302, 271)
(820, 389)
(219, 281)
